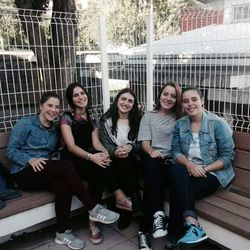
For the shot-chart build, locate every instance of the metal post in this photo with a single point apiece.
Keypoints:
(104, 63)
(150, 34)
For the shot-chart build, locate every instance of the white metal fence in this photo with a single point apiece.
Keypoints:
(40, 52)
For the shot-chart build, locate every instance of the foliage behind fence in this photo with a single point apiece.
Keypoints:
(42, 51)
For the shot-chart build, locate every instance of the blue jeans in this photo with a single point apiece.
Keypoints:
(185, 190)
(3, 183)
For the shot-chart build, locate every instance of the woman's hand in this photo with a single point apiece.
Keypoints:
(195, 170)
(123, 151)
(156, 154)
(37, 163)
(101, 159)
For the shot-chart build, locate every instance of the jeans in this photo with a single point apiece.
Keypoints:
(185, 190)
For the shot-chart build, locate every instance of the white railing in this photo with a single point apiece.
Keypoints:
(40, 52)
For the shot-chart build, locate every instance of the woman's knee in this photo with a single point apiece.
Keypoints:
(60, 187)
(178, 175)
(178, 170)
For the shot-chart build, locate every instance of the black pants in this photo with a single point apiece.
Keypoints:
(125, 171)
(155, 173)
(97, 177)
(59, 177)
(183, 194)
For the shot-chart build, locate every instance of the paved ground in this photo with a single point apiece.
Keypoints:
(113, 238)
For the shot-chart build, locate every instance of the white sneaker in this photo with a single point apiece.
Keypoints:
(69, 239)
(101, 214)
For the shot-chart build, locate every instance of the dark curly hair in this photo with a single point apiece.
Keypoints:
(69, 97)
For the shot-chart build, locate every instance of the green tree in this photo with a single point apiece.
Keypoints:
(167, 16)
(10, 31)
(126, 23)
(126, 20)
(88, 36)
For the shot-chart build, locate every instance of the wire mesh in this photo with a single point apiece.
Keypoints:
(208, 48)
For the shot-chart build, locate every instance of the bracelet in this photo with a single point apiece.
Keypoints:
(88, 156)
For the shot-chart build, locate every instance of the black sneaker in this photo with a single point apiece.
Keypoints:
(159, 225)
(144, 241)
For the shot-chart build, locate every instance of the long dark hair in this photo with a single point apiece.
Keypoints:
(134, 115)
(177, 108)
(69, 97)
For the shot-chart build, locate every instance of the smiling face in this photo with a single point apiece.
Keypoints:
(192, 103)
(168, 99)
(125, 103)
(80, 98)
(49, 110)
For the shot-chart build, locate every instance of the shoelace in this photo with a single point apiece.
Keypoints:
(159, 222)
(143, 240)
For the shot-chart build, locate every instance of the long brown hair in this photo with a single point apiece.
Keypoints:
(177, 109)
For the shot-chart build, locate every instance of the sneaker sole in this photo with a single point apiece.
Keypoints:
(192, 243)
(123, 208)
(96, 241)
(160, 234)
(60, 242)
(103, 221)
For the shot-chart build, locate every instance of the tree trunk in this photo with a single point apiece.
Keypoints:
(30, 20)
(56, 57)
(64, 33)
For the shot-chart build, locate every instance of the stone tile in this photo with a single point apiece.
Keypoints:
(51, 246)
(125, 246)
(111, 238)
(130, 231)
(156, 243)
(29, 241)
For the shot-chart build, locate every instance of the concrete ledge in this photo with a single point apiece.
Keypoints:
(21, 222)
(224, 236)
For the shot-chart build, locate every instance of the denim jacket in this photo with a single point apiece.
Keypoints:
(29, 139)
(216, 143)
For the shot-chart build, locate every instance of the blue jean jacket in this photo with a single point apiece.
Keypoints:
(216, 143)
(29, 139)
